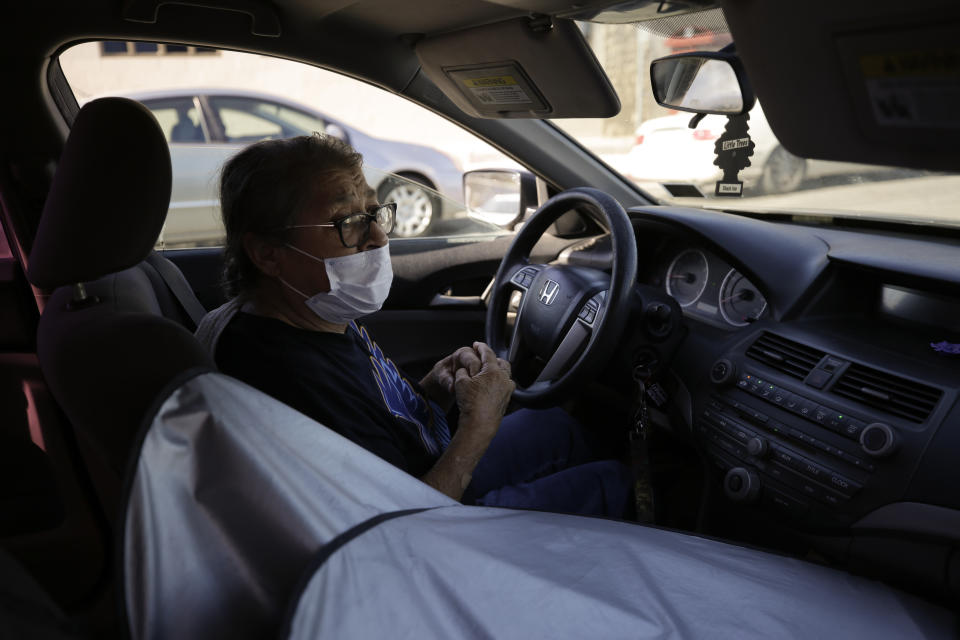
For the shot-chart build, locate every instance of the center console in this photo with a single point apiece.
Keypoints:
(813, 436)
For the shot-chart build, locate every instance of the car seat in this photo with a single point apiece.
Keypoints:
(110, 338)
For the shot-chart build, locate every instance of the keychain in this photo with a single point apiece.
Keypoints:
(640, 456)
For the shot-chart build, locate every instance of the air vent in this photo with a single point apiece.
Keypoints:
(889, 393)
(792, 358)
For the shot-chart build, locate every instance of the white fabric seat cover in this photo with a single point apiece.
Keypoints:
(234, 496)
(492, 573)
(233, 493)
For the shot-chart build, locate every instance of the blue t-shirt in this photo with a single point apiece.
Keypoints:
(343, 381)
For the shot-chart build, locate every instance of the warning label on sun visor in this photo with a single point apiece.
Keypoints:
(914, 89)
(497, 90)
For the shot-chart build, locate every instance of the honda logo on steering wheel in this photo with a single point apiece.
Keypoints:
(549, 292)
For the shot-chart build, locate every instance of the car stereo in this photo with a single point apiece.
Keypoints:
(778, 424)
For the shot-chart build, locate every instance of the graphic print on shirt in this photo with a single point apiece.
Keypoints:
(403, 401)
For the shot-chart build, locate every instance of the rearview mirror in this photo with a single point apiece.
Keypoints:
(499, 196)
(703, 82)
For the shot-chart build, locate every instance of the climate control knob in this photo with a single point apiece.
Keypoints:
(741, 485)
(878, 440)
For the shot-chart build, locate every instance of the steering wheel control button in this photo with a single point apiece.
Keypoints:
(741, 485)
(589, 311)
(722, 372)
(878, 440)
(524, 277)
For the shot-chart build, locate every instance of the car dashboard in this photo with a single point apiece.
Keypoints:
(818, 378)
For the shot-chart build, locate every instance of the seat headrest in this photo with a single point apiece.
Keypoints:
(109, 196)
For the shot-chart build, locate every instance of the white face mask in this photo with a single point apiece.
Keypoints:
(359, 283)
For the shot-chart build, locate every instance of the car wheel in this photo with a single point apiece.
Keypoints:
(783, 172)
(417, 206)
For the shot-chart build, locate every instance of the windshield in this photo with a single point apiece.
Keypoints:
(655, 147)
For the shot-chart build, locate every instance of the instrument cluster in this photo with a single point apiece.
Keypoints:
(708, 288)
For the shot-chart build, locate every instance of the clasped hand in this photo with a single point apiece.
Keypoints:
(476, 379)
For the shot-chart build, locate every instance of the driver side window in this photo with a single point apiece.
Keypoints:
(411, 156)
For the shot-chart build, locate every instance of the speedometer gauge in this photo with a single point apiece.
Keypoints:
(740, 302)
(687, 276)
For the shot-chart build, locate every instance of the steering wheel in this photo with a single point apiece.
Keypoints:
(570, 317)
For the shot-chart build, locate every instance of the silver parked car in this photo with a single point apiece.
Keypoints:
(204, 127)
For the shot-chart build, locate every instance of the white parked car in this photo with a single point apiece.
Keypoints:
(204, 127)
(667, 150)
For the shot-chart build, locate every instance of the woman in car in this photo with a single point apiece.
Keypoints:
(306, 255)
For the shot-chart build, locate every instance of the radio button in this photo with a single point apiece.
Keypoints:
(837, 421)
(784, 457)
(852, 428)
(811, 470)
(741, 485)
(807, 409)
(843, 485)
(776, 471)
(823, 446)
(821, 415)
(832, 499)
(783, 502)
(758, 447)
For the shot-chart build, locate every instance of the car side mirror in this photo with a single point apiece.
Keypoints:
(709, 82)
(499, 196)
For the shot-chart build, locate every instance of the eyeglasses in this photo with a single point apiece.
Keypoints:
(354, 229)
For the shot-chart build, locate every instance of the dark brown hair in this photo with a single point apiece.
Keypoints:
(263, 187)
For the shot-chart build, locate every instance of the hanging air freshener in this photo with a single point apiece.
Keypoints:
(733, 150)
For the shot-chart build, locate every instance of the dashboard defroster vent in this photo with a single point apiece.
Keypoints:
(792, 358)
(889, 393)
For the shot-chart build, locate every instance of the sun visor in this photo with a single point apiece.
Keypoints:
(521, 68)
(838, 82)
